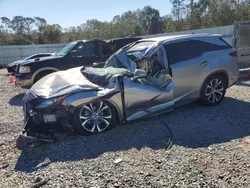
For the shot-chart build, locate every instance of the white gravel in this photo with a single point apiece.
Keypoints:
(134, 155)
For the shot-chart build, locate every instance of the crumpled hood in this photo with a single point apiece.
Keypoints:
(63, 82)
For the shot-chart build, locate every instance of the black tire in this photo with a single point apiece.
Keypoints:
(219, 84)
(41, 75)
(91, 115)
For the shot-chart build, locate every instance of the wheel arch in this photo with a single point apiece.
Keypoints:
(44, 69)
(219, 72)
(117, 111)
(73, 116)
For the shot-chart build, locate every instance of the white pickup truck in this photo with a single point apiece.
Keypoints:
(241, 41)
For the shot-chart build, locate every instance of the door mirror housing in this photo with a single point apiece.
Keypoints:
(98, 64)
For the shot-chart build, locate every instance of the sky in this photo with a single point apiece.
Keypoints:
(75, 12)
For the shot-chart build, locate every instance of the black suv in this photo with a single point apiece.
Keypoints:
(78, 53)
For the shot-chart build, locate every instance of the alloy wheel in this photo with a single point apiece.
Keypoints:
(214, 90)
(95, 117)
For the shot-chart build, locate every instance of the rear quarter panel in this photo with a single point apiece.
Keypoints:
(220, 61)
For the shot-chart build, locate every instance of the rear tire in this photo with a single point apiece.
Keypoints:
(213, 90)
(93, 118)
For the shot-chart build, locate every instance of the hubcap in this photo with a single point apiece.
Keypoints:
(95, 117)
(214, 90)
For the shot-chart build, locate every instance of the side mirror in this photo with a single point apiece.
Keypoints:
(139, 74)
(95, 64)
(98, 64)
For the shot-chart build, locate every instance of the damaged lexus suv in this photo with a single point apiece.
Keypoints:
(148, 76)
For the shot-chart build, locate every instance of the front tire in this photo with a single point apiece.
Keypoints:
(93, 118)
(213, 90)
(41, 75)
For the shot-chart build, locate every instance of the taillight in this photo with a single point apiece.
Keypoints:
(233, 54)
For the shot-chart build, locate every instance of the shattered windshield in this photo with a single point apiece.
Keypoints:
(127, 57)
(66, 49)
(118, 60)
(137, 51)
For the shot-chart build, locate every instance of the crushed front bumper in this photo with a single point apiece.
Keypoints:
(40, 121)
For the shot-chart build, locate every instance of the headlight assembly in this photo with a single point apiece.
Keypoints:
(47, 103)
(50, 102)
(24, 69)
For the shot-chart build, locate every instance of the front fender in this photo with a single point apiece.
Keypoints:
(43, 69)
(81, 98)
(113, 96)
(89, 96)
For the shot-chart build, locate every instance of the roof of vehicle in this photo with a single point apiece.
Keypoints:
(124, 38)
(172, 37)
(42, 53)
(89, 40)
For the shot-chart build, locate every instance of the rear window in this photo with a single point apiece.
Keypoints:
(185, 50)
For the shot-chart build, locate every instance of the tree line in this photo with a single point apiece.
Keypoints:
(185, 15)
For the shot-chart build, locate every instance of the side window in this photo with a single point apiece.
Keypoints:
(78, 50)
(182, 51)
(85, 49)
(185, 50)
(104, 49)
(44, 55)
(34, 57)
(40, 55)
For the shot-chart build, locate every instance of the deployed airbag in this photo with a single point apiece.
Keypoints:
(101, 76)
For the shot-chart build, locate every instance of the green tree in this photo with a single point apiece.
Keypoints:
(6, 24)
(127, 24)
(40, 23)
(178, 8)
(29, 23)
(150, 20)
(51, 34)
(188, 14)
(18, 25)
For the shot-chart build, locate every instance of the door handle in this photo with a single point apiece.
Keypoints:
(204, 63)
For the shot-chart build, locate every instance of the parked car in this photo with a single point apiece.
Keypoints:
(118, 43)
(11, 67)
(78, 53)
(149, 76)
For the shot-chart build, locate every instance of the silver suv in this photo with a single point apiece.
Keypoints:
(149, 76)
(203, 67)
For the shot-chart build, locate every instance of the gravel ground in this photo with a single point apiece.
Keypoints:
(210, 149)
